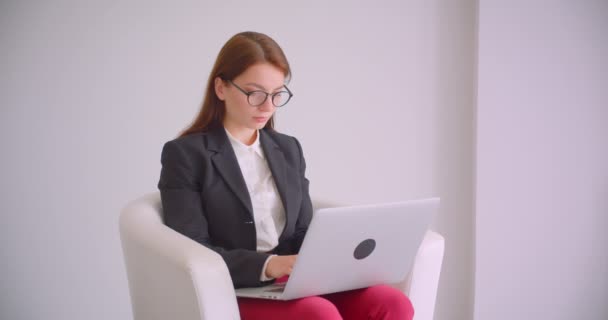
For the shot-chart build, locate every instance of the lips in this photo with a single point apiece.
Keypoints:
(260, 119)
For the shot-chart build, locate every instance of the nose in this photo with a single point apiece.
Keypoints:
(267, 105)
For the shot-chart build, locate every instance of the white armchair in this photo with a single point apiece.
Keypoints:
(173, 277)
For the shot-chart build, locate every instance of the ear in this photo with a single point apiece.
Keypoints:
(219, 88)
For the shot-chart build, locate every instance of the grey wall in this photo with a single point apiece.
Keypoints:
(542, 161)
(90, 90)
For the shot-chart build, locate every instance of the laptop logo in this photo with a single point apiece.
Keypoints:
(364, 249)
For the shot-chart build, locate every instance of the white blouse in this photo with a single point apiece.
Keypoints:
(268, 211)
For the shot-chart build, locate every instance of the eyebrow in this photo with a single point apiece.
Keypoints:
(262, 87)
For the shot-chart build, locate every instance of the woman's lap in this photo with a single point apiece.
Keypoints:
(304, 308)
(377, 302)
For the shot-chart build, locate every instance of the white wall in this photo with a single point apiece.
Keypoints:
(91, 90)
(542, 161)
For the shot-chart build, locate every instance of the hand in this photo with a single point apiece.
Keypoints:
(280, 266)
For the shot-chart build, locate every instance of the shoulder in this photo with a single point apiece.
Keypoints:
(189, 146)
(289, 145)
(284, 141)
(278, 136)
(194, 139)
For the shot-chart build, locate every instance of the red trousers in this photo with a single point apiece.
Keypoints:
(377, 302)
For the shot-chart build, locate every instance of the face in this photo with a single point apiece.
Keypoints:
(239, 113)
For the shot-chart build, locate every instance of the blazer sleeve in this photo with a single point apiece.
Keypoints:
(305, 214)
(180, 191)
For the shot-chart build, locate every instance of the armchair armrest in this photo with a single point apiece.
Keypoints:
(423, 280)
(170, 275)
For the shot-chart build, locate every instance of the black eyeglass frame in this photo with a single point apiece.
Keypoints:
(249, 93)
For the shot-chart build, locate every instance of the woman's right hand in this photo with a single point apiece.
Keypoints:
(280, 266)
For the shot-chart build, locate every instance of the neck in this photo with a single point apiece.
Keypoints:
(244, 135)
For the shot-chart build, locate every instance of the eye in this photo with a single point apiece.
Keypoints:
(257, 97)
(280, 98)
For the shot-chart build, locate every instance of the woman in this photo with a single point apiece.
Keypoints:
(237, 186)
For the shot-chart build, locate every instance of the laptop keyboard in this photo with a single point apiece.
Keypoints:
(277, 288)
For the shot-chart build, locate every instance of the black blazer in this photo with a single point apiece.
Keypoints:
(204, 197)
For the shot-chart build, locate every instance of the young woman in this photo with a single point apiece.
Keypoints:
(237, 186)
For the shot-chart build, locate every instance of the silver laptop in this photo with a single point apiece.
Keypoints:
(354, 247)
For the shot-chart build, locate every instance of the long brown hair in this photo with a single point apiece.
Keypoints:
(239, 53)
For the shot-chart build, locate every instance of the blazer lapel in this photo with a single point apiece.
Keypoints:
(227, 165)
(276, 162)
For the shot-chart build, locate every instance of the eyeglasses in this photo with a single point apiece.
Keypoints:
(257, 97)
